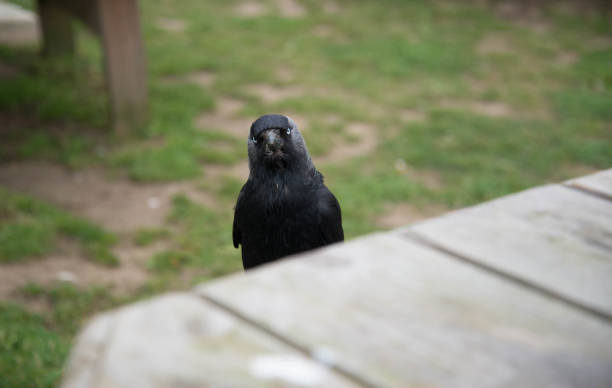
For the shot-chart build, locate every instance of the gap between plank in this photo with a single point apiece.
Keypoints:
(592, 311)
(349, 375)
(587, 190)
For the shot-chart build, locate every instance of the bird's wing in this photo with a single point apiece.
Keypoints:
(330, 217)
(236, 233)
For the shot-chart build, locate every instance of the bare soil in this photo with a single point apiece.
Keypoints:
(204, 79)
(431, 179)
(238, 171)
(486, 108)
(250, 9)
(494, 44)
(117, 204)
(68, 264)
(366, 142)
(225, 118)
(290, 8)
(172, 24)
(271, 94)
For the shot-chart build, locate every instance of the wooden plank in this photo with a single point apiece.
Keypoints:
(599, 183)
(399, 315)
(124, 62)
(56, 28)
(551, 236)
(85, 11)
(180, 340)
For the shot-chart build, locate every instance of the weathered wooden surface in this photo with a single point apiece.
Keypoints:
(599, 183)
(552, 236)
(400, 315)
(512, 293)
(56, 26)
(180, 340)
(18, 26)
(117, 24)
(124, 62)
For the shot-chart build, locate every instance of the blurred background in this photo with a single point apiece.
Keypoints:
(409, 108)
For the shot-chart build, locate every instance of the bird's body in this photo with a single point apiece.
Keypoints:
(284, 207)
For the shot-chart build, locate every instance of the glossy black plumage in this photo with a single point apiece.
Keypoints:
(284, 207)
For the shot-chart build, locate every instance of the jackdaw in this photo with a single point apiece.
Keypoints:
(284, 207)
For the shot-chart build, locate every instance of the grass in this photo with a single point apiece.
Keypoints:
(146, 236)
(33, 348)
(30, 228)
(367, 63)
(28, 346)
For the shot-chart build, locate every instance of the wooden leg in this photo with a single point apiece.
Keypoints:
(56, 27)
(124, 62)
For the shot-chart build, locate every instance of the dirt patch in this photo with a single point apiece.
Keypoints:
(301, 121)
(404, 214)
(493, 109)
(250, 9)
(566, 58)
(599, 43)
(285, 74)
(323, 31)
(494, 44)
(172, 25)
(429, 178)
(331, 7)
(118, 204)
(272, 94)
(366, 142)
(69, 265)
(201, 78)
(225, 118)
(332, 119)
(409, 116)
(290, 8)
(485, 108)
(524, 14)
(239, 171)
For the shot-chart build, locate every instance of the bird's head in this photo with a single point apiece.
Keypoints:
(276, 143)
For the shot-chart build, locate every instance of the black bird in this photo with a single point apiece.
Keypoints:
(284, 207)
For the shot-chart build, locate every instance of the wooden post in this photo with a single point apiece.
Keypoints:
(56, 28)
(124, 62)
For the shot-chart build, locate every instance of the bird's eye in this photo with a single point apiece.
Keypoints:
(254, 139)
(288, 131)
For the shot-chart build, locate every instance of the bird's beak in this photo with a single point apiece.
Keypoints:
(272, 142)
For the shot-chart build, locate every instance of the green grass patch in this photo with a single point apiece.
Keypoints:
(483, 157)
(147, 236)
(30, 228)
(204, 239)
(24, 239)
(31, 355)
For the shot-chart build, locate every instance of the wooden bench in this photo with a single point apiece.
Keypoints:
(515, 292)
(117, 24)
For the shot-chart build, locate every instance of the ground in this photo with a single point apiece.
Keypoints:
(410, 109)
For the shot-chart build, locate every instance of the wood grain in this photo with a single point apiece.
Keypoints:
(558, 238)
(599, 183)
(56, 28)
(124, 62)
(180, 340)
(401, 315)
